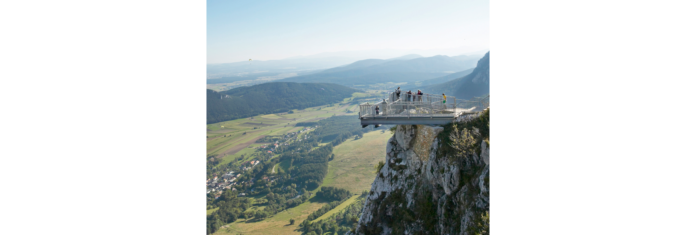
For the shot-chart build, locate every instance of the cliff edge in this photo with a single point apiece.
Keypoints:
(435, 180)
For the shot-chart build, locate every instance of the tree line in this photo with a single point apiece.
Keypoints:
(323, 210)
(340, 222)
(336, 195)
(333, 194)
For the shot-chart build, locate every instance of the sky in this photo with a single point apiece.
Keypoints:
(272, 30)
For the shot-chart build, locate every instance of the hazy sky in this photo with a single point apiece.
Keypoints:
(269, 30)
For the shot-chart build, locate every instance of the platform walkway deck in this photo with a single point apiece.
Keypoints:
(427, 109)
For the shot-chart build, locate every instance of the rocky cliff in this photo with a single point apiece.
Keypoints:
(435, 180)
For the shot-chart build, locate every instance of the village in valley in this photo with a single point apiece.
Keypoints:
(218, 183)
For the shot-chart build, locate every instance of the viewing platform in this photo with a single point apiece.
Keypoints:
(427, 109)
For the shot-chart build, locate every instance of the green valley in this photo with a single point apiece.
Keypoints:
(266, 161)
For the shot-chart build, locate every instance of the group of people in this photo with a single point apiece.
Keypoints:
(418, 96)
(410, 96)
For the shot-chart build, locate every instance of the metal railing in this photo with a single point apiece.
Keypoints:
(426, 105)
(425, 98)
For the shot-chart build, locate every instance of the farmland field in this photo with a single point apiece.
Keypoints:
(354, 161)
(278, 223)
(351, 168)
(229, 137)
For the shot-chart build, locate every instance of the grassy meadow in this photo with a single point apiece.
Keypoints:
(353, 165)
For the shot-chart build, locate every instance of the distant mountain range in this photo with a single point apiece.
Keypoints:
(469, 60)
(273, 67)
(272, 97)
(409, 68)
(446, 78)
(407, 57)
(475, 84)
(325, 87)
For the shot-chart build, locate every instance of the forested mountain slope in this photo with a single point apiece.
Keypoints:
(271, 98)
(476, 84)
(445, 78)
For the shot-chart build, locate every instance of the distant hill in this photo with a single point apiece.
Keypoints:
(396, 70)
(476, 84)
(248, 68)
(271, 98)
(361, 64)
(470, 60)
(407, 57)
(446, 78)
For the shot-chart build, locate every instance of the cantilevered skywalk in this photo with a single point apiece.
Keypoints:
(427, 109)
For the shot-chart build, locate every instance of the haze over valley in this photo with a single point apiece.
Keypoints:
(288, 88)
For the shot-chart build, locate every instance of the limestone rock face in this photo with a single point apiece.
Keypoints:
(424, 189)
(485, 152)
(404, 134)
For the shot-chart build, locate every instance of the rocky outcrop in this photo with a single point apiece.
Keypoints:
(434, 181)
